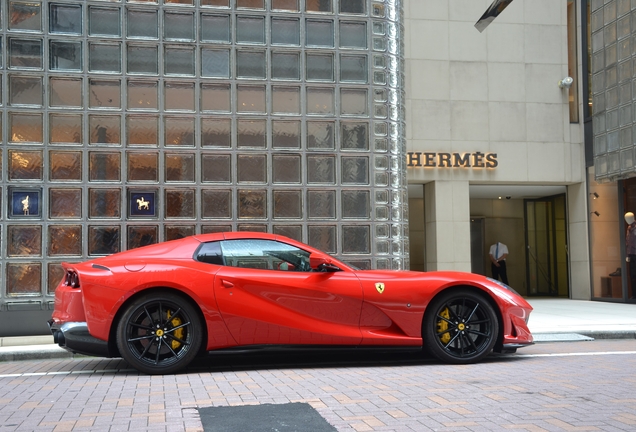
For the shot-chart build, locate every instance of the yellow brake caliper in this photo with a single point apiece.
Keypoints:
(442, 326)
(178, 333)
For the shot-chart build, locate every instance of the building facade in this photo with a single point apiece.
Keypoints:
(126, 123)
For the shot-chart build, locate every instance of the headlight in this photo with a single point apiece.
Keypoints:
(503, 285)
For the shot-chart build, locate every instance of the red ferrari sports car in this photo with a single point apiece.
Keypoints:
(159, 306)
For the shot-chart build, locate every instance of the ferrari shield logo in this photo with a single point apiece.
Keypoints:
(380, 287)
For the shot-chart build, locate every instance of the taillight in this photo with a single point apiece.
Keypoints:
(72, 279)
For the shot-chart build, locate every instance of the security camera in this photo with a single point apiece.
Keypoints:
(508, 197)
(566, 82)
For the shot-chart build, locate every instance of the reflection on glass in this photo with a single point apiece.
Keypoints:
(143, 167)
(104, 129)
(104, 203)
(288, 5)
(215, 97)
(251, 133)
(318, 5)
(180, 203)
(355, 170)
(320, 100)
(251, 99)
(104, 166)
(250, 30)
(65, 203)
(65, 240)
(287, 204)
(216, 204)
(179, 60)
(24, 240)
(54, 275)
(103, 57)
(321, 169)
(285, 134)
(320, 135)
(179, 96)
(354, 136)
(353, 68)
(253, 4)
(352, 6)
(65, 92)
(179, 131)
(24, 279)
(250, 64)
(285, 31)
(286, 168)
(142, 24)
(286, 100)
(353, 34)
(139, 236)
(103, 240)
(215, 63)
(251, 168)
(319, 33)
(354, 102)
(65, 165)
(216, 168)
(252, 204)
(322, 237)
(177, 232)
(142, 59)
(142, 95)
(25, 53)
(178, 25)
(104, 21)
(25, 90)
(104, 94)
(285, 66)
(216, 132)
(25, 127)
(319, 67)
(356, 239)
(65, 56)
(215, 28)
(25, 16)
(142, 130)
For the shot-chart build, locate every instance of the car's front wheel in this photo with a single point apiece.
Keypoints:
(159, 333)
(460, 326)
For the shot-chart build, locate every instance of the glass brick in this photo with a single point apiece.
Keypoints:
(179, 60)
(287, 204)
(353, 68)
(178, 26)
(65, 240)
(179, 96)
(215, 28)
(143, 95)
(65, 56)
(321, 204)
(104, 94)
(143, 167)
(65, 165)
(220, 3)
(321, 169)
(25, 127)
(353, 34)
(215, 97)
(319, 33)
(183, 2)
(352, 6)
(139, 236)
(104, 21)
(251, 168)
(142, 59)
(356, 239)
(252, 4)
(294, 232)
(103, 240)
(252, 227)
(25, 53)
(216, 132)
(320, 136)
(215, 63)
(104, 129)
(216, 228)
(65, 92)
(322, 237)
(286, 5)
(354, 136)
(285, 100)
(142, 130)
(250, 64)
(285, 134)
(65, 203)
(24, 279)
(355, 170)
(104, 203)
(25, 90)
(285, 66)
(252, 204)
(25, 16)
(318, 5)
(104, 57)
(251, 133)
(142, 24)
(250, 30)
(216, 168)
(179, 131)
(320, 100)
(178, 232)
(356, 204)
(251, 99)
(55, 273)
(216, 204)
(286, 168)
(180, 203)
(354, 102)
(24, 240)
(179, 167)
(320, 67)
(285, 31)
(25, 165)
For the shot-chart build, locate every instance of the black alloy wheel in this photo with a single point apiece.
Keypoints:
(460, 326)
(159, 333)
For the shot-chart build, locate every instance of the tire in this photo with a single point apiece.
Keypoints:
(159, 333)
(460, 327)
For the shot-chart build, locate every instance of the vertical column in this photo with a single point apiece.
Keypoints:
(578, 242)
(447, 210)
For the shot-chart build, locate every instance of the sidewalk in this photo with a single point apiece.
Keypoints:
(552, 320)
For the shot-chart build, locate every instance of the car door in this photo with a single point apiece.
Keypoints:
(268, 300)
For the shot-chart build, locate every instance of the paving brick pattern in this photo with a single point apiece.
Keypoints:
(531, 391)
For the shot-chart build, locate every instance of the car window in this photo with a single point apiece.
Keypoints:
(264, 254)
(210, 253)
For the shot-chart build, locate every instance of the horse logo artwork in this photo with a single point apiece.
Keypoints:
(142, 204)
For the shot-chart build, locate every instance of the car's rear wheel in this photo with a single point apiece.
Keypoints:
(460, 326)
(159, 333)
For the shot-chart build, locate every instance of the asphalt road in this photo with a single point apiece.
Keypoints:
(567, 386)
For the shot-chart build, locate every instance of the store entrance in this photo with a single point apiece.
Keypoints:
(546, 246)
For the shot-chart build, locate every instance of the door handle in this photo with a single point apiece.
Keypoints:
(227, 284)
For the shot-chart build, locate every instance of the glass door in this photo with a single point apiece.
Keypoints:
(546, 246)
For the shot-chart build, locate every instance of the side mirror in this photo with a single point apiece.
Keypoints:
(321, 263)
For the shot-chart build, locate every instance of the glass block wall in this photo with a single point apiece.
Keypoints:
(613, 26)
(126, 123)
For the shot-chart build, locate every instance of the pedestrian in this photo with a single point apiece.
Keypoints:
(630, 246)
(498, 255)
